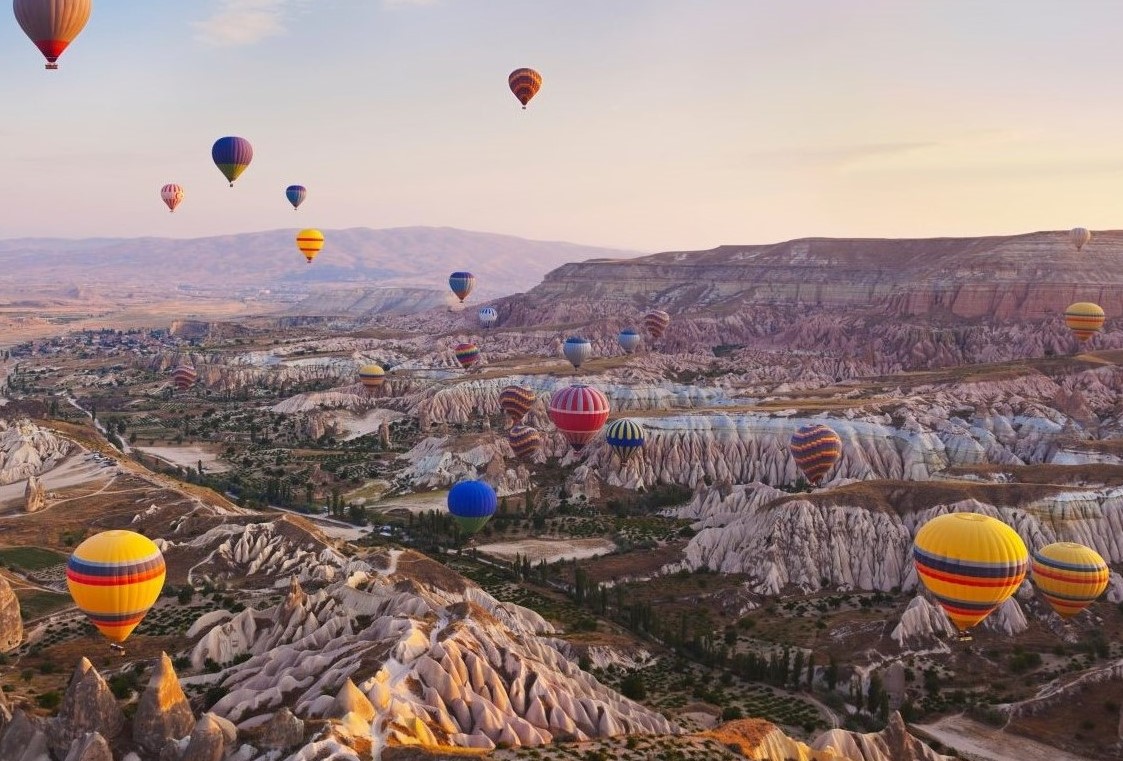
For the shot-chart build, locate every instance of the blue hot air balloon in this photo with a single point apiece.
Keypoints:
(296, 195)
(461, 284)
(577, 350)
(472, 503)
(232, 155)
(629, 339)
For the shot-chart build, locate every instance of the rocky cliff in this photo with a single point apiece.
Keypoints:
(27, 450)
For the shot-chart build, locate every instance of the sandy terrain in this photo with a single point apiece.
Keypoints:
(549, 550)
(982, 743)
(414, 503)
(368, 423)
(187, 457)
(78, 468)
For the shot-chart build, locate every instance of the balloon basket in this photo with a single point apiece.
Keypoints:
(964, 637)
(51, 67)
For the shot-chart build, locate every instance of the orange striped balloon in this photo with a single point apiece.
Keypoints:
(1084, 319)
(524, 83)
(1069, 576)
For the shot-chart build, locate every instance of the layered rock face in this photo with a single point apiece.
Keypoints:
(11, 624)
(27, 450)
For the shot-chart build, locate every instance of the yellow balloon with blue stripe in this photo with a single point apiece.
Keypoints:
(1070, 576)
(115, 577)
(971, 564)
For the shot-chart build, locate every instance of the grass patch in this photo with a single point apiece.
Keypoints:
(30, 558)
(36, 604)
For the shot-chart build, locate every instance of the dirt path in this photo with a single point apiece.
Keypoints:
(979, 742)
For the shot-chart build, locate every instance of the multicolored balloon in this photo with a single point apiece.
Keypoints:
(1084, 319)
(372, 376)
(1070, 576)
(629, 340)
(296, 195)
(115, 577)
(1079, 237)
(971, 564)
(467, 354)
(462, 284)
(816, 449)
(577, 351)
(184, 377)
(516, 401)
(488, 316)
(310, 242)
(579, 412)
(52, 24)
(232, 155)
(172, 195)
(525, 441)
(472, 503)
(655, 323)
(625, 437)
(525, 84)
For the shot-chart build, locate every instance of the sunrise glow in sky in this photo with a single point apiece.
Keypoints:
(661, 124)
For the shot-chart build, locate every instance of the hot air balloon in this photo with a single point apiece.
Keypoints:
(655, 323)
(472, 503)
(525, 441)
(232, 155)
(524, 83)
(52, 24)
(1070, 576)
(516, 401)
(629, 340)
(184, 377)
(172, 195)
(296, 195)
(372, 376)
(971, 564)
(462, 284)
(488, 316)
(1084, 319)
(815, 449)
(625, 437)
(577, 350)
(114, 578)
(579, 412)
(467, 354)
(310, 242)
(1079, 237)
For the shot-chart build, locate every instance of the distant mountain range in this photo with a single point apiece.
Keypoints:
(405, 256)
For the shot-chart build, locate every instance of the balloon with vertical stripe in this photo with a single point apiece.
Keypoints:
(525, 84)
(816, 449)
(52, 24)
(516, 401)
(971, 564)
(1069, 576)
(232, 155)
(577, 350)
(296, 195)
(310, 242)
(1079, 237)
(1084, 319)
(625, 437)
(629, 340)
(525, 441)
(115, 577)
(172, 195)
(462, 284)
(467, 354)
(488, 316)
(579, 412)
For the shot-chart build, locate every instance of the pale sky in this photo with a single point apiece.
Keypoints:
(661, 124)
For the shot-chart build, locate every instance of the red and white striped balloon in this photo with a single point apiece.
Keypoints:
(579, 412)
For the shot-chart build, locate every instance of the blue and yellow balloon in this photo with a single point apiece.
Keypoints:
(115, 577)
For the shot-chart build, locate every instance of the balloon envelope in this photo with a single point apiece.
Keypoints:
(971, 564)
(816, 449)
(516, 401)
(579, 412)
(525, 441)
(1084, 319)
(461, 284)
(629, 340)
(310, 242)
(1069, 576)
(114, 578)
(52, 24)
(525, 84)
(467, 354)
(232, 155)
(296, 195)
(625, 437)
(184, 377)
(372, 376)
(472, 503)
(577, 351)
(656, 322)
(488, 316)
(172, 195)
(1079, 237)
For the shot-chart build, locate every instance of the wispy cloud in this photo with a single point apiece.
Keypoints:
(244, 22)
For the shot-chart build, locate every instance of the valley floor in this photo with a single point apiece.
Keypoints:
(978, 742)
